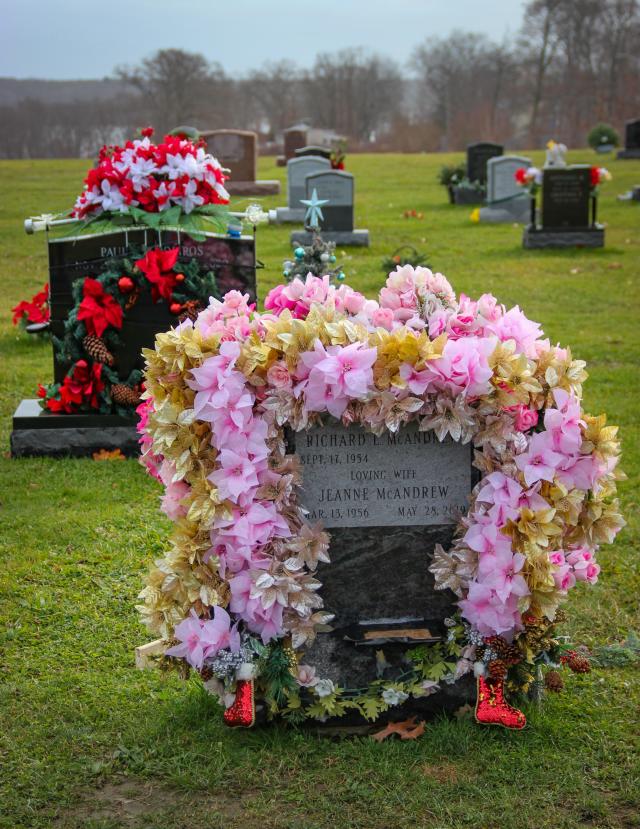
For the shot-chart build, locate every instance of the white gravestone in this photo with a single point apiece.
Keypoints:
(506, 199)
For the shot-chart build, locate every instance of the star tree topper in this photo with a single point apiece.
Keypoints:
(314, 216)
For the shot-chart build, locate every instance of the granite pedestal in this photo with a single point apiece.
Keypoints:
(534, 238)
(39, 433)
(342, 238)
(468, 195)
(629, 153)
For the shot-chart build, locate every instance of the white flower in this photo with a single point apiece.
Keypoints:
(307, 676)
(112, 198)
(392, 696)
(324, 687)
(139, 171)
(190, 199)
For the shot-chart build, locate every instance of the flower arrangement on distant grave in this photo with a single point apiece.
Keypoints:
(404, 255)
(237, 597)
(530, 178)
(101, 305)
(338, 155)
(451, 175)
(34, 311)
(175, 183)
(603, 138)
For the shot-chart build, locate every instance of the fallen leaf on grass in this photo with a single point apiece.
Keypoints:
(106, 455)
(406, 730)
(464, 711)
(614, 266)
(575, 270)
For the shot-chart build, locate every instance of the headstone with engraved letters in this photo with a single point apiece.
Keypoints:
(36, 432)
(567, 205)
(385, 501)
(477, 157)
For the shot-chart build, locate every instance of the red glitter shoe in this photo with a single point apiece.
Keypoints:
(242, 714)
(492, 709)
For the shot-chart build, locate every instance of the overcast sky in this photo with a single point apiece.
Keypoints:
(66, 39)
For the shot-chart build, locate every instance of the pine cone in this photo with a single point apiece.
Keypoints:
(497, 669)
(507, 652)
(206, 673)
(191, 310)
(124, 395)
(96, 349)
(553, 682)
(578, 664)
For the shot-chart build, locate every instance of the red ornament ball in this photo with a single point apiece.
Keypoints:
(180, 277)
(175, 308)
(126, 285)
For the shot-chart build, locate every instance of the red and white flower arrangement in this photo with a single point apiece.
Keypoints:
(143, 176)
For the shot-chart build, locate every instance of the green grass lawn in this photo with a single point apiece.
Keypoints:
(88, 741)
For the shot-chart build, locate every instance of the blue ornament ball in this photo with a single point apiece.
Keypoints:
(340, 276)
(285, 273)
(332, 259)
(298, 253)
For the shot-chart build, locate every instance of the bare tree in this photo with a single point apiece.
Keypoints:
(277, 91)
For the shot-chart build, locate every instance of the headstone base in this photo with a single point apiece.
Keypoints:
(281, 161)
(342, 238)
(253, 188)
(629, 153)
(289, 214)
(515, 210)
(37, 433)
(533, 238)
(467, 195)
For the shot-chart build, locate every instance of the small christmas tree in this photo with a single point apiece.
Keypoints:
(317, 258)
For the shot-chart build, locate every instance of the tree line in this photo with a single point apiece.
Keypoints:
(572, 64)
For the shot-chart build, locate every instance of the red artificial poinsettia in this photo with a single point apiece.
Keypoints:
(595, 176)
(98, 309)
(157, 266)
(34, 310)
(83, 384)
(521, 175)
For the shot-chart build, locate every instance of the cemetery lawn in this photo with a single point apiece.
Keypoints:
(88, 741)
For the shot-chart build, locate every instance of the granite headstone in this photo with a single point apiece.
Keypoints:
(297, 171)
(477, 157)
(631, 140)
(386, 501)
(323, 152)
(237, 150)
(337, 188)
(506, 201)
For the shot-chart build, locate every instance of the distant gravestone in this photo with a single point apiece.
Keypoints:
(477, 157)
(297, 171)
(566, 206)
(323, 152)
(237, 150)
(631, 140)
(506, 201)
(386, 500)
(337, 225)
(294, 139)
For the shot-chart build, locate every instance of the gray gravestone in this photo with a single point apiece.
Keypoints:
(506, 200)
(337, 188)
(386, 501)
(631, 140)
(477, 157)
(297, 171)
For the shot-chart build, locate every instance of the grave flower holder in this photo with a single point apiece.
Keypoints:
(377, 503)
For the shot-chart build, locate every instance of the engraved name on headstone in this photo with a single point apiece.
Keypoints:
(353, 478)
(565, 198)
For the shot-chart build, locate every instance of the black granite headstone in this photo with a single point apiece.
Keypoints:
(631, 140)
(231, 259)
(386, 502)
(566, 195)
(323, 152)
(477, 157)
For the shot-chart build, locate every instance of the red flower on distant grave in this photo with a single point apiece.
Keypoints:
(595, 176)
(34, 310)
(521, 175)
(98, 309)
(157, 266)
